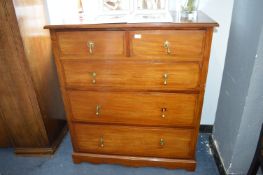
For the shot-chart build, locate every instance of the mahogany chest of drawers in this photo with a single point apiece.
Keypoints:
(133, 92)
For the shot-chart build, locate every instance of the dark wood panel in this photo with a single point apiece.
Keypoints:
(30, 99)
(159, 109)
(129, 75)
(18, 98)
(46, 150)
(5, 141)
(134, 141)
(39, 61)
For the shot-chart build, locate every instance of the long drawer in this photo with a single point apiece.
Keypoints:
(156, 109)
(134, 141)
(185, 45)
(129, 75)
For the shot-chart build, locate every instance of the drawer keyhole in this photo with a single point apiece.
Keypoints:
(162, 142)
(163, 112)
(101, 142)
(165, 79)
(98, 107)
(93, 76)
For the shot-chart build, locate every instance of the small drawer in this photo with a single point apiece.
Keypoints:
(134, 141)
(148, 109)
(129, 75)
(186, 45)
(91, 44)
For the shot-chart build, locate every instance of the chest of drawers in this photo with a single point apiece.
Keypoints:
(133, 92)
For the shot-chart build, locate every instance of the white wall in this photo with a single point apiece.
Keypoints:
(58, 13)
(220, 11)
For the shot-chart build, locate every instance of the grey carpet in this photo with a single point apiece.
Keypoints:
(61, 164)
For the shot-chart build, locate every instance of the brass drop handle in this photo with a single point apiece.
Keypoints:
(93, 75)
(163, 112)
(165, 79)
(162, 142)
(91, 46)
(101, 142)
(98, 107)
(166, 45)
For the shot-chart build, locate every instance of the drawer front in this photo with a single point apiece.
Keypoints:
(156, 109)
(125, 75)
(134, 141)
(91, 44)
(168, 44)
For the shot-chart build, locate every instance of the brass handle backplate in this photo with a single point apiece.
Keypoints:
(101, 142)
(98, 107)
(93, 75)
(91, 46)
(163, 112)
(165, 79)
(166, 45)
(162, 142)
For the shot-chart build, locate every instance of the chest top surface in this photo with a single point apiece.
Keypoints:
(201, 21)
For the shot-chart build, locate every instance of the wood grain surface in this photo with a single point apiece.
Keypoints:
(30, 98)
(106, 44)
(134, 141)
(5, 140)
(129, 75)
(152, 109)
(182, 43)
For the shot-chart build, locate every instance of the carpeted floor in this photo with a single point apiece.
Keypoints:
(61, 164)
